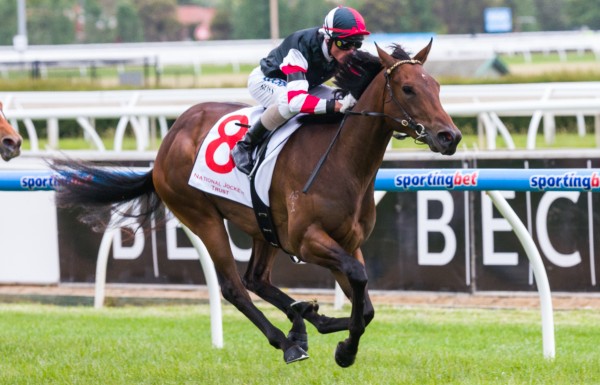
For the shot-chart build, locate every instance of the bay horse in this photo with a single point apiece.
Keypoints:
(325, 225)
(10, 140)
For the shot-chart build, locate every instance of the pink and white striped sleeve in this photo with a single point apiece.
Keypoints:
(294, 65)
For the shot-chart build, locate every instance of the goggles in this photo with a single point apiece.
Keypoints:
(346, 45)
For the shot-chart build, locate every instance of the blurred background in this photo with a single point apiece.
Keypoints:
(112, 21)
(37, 24)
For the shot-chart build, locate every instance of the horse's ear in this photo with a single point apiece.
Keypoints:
(422, 55)
(386, 59)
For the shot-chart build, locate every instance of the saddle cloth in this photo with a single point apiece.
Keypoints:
(214, 171)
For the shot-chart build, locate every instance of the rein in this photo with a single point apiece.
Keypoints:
(408, 121)
(317, 168)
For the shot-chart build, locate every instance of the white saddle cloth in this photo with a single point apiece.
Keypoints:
(214, 171)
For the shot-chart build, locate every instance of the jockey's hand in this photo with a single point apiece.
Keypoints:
(346, 103)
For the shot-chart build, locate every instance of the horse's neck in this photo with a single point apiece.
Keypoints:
(365, 139)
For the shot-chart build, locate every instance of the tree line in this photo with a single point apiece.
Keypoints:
(107, 21)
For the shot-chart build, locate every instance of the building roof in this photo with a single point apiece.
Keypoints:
(200, 17)
(193, 14)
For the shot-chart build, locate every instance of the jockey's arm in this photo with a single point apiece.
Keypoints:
(295, 67)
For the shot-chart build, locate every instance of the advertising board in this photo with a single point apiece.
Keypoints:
(425, 240)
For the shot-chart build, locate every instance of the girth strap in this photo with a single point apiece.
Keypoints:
(264, 217)
(263, 213)
(261, 210)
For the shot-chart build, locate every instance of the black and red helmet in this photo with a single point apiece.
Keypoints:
(345, 23)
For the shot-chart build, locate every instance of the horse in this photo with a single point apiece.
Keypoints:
(323, 225)
(10, 140)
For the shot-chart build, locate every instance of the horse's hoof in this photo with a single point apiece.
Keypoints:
(343, 357)
(293, 354)
(300, 339)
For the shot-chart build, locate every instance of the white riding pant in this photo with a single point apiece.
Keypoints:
(269, 91)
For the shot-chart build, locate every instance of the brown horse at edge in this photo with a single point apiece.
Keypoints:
(10, 140)
(325, 226)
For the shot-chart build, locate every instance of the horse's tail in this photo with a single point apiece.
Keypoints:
(100, 192)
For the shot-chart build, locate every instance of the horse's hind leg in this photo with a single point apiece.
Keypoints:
(258, 280)
(213, 235)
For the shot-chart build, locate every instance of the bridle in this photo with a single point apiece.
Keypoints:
(407, 121)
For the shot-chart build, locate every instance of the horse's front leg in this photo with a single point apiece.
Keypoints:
(355, 275)
(319, 248)
(324, 324)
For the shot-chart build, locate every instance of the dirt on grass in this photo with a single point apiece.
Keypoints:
(117, 295)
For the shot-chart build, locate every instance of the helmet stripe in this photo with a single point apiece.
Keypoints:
(360, 22)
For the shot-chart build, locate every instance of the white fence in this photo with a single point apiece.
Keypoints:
(540, 101)
(525, 43)
(145, 111)
(251, 51)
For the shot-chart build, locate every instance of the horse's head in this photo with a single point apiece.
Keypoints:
(413, 97)
(10, 140)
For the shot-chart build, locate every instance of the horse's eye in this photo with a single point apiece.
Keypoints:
(408, 90)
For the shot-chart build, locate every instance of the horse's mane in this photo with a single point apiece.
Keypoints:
(359, 70)
(353, 77)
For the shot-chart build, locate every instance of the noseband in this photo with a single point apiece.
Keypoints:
(408, 121)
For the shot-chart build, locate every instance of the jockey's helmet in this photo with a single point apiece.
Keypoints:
(344, 23)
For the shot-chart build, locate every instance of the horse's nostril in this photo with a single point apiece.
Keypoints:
(9, 142)
(445, 137)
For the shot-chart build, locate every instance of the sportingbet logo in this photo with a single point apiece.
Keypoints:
(38, 182)
(435, 179)
(565, 181)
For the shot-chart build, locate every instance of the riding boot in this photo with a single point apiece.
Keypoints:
(242, 152)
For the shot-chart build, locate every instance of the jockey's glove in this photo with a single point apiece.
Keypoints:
(347, 102)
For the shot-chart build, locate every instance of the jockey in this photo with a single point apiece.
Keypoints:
(290, 79)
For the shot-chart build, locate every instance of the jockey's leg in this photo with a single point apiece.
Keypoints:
(242, 152)
(267, 92)
(274, 117)
(272, 94)
(270, 120)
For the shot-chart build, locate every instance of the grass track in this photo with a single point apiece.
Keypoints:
(43, 344)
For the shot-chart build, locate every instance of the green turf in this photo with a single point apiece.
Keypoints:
(44, 344)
